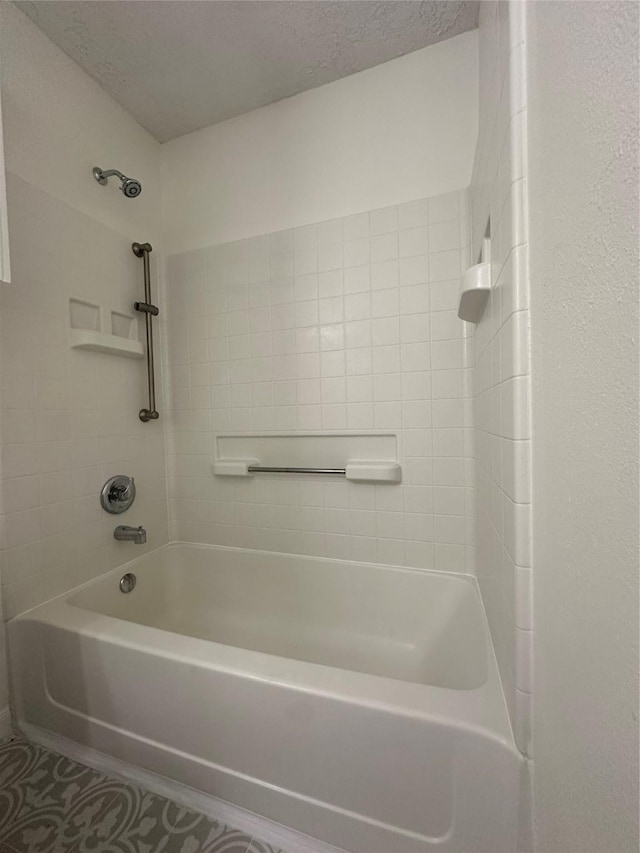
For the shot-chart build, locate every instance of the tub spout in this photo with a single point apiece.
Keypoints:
(124, 533)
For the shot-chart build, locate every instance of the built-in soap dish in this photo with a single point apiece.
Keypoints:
(85, 321)
(85, 315)
(123, 325)
(474, 292)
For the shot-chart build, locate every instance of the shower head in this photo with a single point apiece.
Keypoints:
(129, 186)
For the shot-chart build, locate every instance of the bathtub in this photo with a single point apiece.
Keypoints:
(358, 704)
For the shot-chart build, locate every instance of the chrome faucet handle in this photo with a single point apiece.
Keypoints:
(118, 493)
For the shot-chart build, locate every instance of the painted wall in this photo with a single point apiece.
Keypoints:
(69, 418)
(583, 156)
(401, 131)
(349, 325)
(501, 372)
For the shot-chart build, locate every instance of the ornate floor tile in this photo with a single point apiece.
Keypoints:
(139, 822)
(49, 804)
(258, 846)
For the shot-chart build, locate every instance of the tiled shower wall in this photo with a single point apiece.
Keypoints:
(347, 325)
(501, 374)
(69, 418)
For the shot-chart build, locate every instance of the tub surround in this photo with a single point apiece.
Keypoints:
(65, 415)
(344, 327)
(500, 357)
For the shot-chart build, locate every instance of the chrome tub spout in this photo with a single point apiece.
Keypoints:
(124, 533)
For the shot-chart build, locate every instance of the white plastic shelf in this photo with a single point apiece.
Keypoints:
(474, 292)
(357, 471)
(359, 457)
(88, 339)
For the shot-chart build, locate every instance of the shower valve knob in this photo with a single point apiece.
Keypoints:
(118, 493)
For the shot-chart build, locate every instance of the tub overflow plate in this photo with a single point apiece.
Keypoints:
(128, 582)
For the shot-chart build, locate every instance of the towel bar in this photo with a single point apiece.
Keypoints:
(259, 469)
(380, 471)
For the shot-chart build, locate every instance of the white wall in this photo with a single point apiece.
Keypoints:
(401, 131)
(501, 370)
(583, 155)
(69, 418)
(60, 124)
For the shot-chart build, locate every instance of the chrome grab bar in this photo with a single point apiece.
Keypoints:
(141, 250)
(259, 469)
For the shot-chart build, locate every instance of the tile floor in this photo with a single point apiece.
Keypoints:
(49, 804)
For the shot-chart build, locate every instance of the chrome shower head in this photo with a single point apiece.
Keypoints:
(129, 186)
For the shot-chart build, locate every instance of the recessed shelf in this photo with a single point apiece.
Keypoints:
(89, 339)
(122, 325)
(366, 457)
(87, 321)
(358, 471)
(85, 315)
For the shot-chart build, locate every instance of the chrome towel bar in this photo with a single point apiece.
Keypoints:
(259, 469)
(358, 470)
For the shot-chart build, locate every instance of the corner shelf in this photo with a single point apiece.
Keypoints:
(88, 339)
(474, 292)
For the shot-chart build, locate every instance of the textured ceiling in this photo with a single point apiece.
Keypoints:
(180, 65)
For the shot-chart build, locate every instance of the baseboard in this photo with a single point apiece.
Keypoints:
(255, 825)
(6, 727)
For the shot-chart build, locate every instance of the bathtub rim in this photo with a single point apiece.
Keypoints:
(481, 709)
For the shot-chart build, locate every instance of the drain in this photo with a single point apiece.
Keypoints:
(127, 582)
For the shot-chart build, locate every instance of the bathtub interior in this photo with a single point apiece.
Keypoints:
(409, 625)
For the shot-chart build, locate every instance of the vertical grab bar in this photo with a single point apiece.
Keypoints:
(141, 250)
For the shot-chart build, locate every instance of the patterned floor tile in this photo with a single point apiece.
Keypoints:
(258, 846)
(47, 802)
(139, 822)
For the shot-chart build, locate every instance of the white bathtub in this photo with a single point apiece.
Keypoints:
(356, 703)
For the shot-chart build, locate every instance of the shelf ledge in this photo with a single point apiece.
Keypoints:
(89, 339)
(356, 471)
